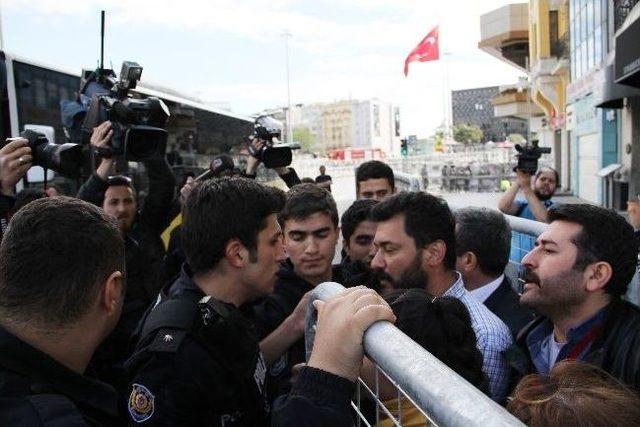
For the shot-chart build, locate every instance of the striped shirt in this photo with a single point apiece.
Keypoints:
(492, 335)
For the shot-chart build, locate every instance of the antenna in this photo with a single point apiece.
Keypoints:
(101, 41)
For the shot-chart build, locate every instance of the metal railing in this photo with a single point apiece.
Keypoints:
(439, 394)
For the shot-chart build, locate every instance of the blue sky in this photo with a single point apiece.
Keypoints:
(232, 51)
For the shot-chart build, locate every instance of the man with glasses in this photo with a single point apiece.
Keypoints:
(143, 247)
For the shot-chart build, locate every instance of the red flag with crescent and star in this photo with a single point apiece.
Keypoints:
(426, 50)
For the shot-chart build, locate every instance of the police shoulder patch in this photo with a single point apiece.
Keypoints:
(141, 403)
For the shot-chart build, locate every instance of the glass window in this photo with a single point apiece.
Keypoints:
(589, 17)
(578, 68)
(39, 91)
(598, 44)
(597, 12)
(589, 55)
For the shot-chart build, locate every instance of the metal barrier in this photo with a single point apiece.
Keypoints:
(436, 390)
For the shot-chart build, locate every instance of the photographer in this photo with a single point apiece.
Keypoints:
(15, 161)
(537, 197)
(143, 248)
(287, 173)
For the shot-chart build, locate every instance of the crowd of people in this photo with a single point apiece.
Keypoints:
(105, 322)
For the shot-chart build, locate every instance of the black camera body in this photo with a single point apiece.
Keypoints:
(65, 159)
(528, 156)
(137, 124)
(272, 156)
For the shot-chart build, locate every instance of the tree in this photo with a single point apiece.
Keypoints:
(467, 134)
(516, 138)
(306, 139)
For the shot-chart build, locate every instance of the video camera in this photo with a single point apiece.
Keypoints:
(137, 124)
(528, 155)
(272, 156)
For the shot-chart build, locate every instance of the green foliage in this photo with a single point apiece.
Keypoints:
(516, 138)
(467, 134)
(306, 139)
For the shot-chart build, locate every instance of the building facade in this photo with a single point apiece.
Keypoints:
(474, 107)
(351, 124)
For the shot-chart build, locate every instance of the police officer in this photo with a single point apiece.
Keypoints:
(197, 360)
(61, 294)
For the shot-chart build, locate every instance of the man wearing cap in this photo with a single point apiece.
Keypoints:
(143, 248)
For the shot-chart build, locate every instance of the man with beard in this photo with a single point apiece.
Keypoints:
(575, 278)
(416, 249)
(535, 206)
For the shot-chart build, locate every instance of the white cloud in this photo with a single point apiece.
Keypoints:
(339, 49)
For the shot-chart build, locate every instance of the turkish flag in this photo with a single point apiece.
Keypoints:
(427, 50)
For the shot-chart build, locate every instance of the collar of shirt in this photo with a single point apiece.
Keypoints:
(485, 291)
(456, 290)
(538, 341)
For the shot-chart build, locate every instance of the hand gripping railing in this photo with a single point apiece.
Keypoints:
(447, 398)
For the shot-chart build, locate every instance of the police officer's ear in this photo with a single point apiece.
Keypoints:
(112, 292)
(236, 253)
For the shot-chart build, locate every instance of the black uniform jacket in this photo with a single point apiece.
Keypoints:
(35, 390)
(269, 312)
(196, 364)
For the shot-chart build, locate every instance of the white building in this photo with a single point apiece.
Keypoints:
(352, 124)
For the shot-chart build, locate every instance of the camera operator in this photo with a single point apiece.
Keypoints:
(15, 161)
(537, 197)
(287, 173)
(143, 247)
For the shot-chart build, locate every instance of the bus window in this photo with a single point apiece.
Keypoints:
(5, 122)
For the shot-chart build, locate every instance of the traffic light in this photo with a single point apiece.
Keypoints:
(404, 149)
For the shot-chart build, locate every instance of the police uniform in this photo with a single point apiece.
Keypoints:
(197, 362)
(35, 390)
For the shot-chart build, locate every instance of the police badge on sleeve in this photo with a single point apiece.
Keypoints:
(141, 403)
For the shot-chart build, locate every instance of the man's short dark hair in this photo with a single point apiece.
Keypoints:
(605, 236)
(54, 258)
(427, 218)
(304, 200)
(485, 233)
(374, 169)
(219, 210)
(121, 181)
(359, 211)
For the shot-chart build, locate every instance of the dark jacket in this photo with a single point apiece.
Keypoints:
(196, 364)
(505, 304)
(318, 398)
(269, 312)
(615, 349)
(35, 390)
(144, 253)
(6, 205)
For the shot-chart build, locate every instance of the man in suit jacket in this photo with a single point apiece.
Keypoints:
(483, 239)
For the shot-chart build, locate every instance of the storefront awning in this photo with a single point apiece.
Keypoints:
(613, 94)
(627, 62)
